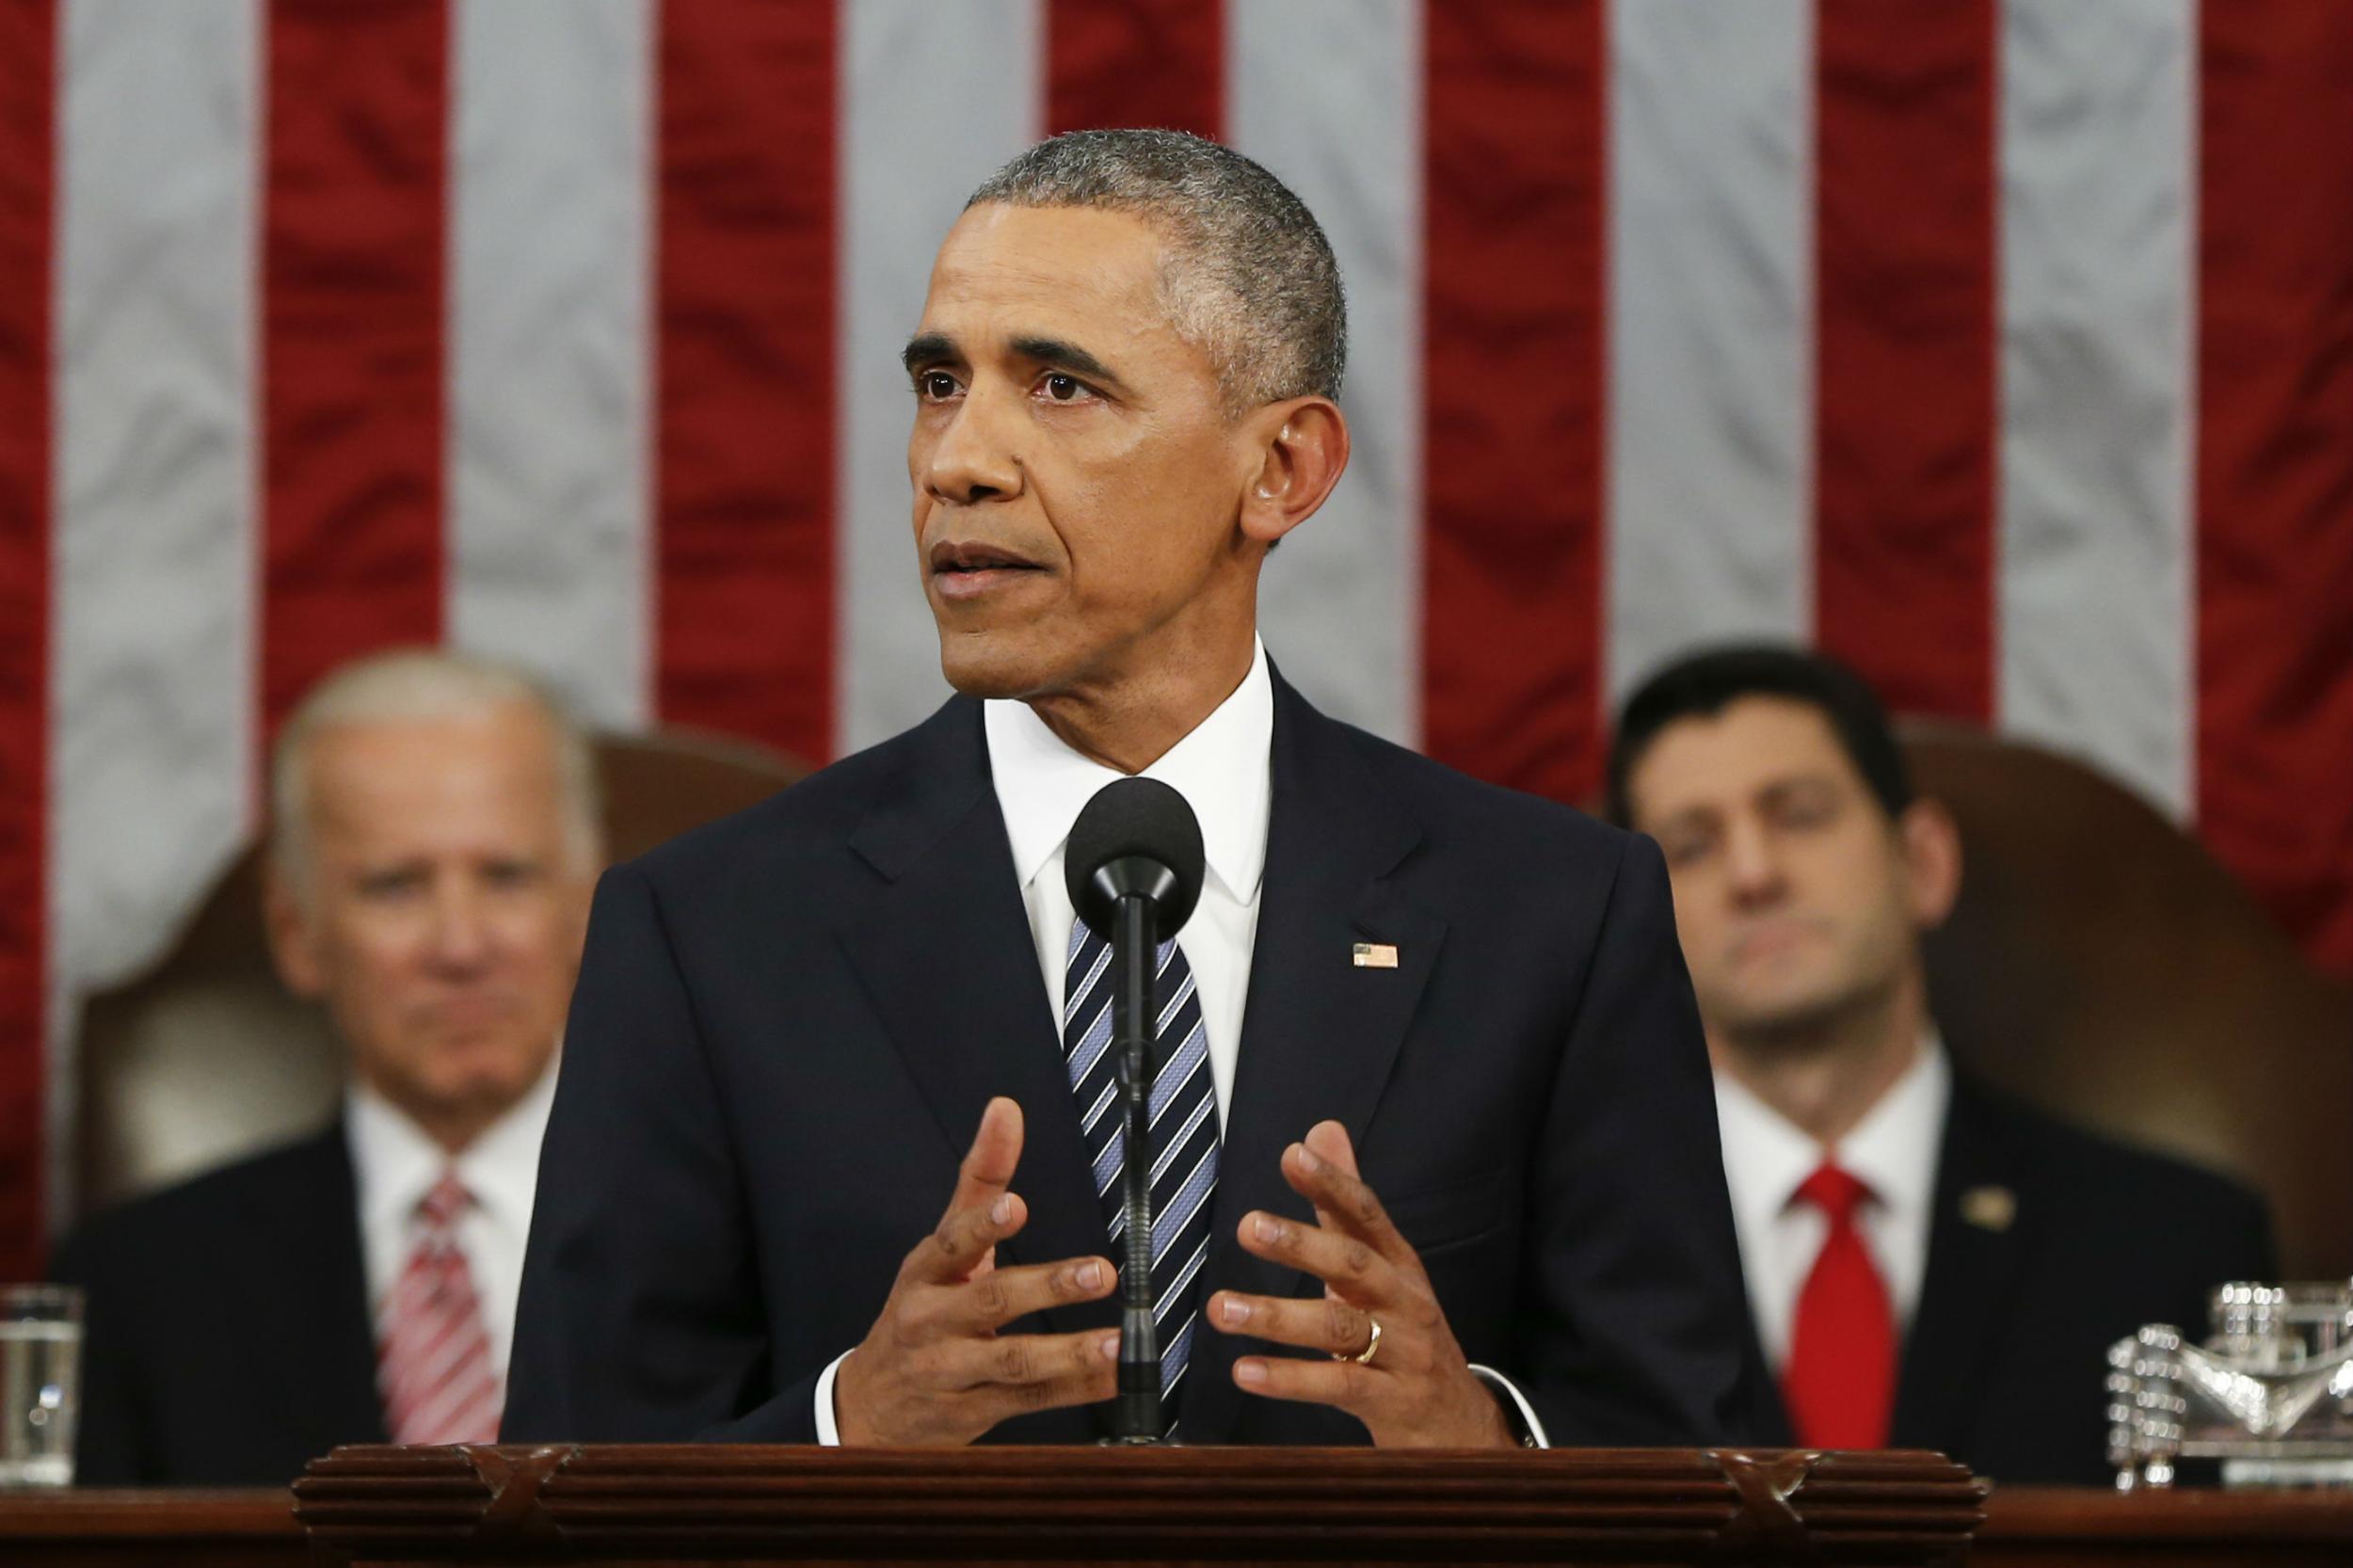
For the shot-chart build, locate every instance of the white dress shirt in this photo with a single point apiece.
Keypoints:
(1893, 1151)
(1224, 769)
(396, 1164)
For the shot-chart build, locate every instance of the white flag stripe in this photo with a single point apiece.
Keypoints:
(1338, 600)
(1711, 327)
(2098, 117)
(548, 361)
(933, 99)
(156, 468)
(154, 460)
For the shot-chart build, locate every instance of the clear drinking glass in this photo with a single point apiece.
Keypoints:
(40, 1382)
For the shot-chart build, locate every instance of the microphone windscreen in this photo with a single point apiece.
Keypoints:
(1136, 819)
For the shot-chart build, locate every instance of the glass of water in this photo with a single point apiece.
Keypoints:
(40, 1382)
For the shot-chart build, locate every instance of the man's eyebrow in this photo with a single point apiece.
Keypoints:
(1066, 356)
(927, 348)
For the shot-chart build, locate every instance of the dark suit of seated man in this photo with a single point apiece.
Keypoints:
(1438, 1157)
(435, 842)
(1929, 1264)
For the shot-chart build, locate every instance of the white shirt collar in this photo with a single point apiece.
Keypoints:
(1221, 769)
(395, 1163)
(1893, 1150)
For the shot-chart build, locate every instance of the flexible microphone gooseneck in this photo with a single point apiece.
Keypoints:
(1133, 868)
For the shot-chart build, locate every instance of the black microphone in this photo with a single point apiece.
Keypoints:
(1134, 867)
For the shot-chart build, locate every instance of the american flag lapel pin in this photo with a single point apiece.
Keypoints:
(1374, 955)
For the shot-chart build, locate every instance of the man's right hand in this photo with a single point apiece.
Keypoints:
(933, 1370)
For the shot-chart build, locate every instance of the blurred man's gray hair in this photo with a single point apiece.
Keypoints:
(425, 684)
(1248, 279)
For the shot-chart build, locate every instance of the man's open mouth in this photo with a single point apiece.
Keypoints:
(966, 560)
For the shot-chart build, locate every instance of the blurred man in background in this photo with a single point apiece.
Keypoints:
(1929, 1264)
(435, 837)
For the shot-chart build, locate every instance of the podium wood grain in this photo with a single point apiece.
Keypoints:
(150, 1529)
(2063, 1527)
(2022, 1528)
(627, 1506)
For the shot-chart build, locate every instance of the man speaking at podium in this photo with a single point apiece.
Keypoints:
(818, 1170)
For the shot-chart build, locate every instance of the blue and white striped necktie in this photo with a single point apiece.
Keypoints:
(1183, 1136)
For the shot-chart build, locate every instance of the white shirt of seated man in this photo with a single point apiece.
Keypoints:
(1893, 1150)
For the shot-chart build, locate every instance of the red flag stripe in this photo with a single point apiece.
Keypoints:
(2275, 460)
(744, 341)
(1906, 358)
(352, 312)
(1513, 354)
(29, 54)
(1135, 63)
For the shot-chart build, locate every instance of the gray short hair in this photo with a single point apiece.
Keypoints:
(1249, 279)
(425, 684)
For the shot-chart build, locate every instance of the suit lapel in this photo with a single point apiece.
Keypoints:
(946, 958)
(1979, 1238)
(1319, 1034)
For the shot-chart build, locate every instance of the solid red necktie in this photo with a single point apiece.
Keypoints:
(1840, 1382)
(433, 1351)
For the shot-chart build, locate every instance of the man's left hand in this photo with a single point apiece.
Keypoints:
(1417, 1388)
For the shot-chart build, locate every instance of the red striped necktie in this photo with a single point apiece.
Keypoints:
(433, 1351)
(1840, 1383)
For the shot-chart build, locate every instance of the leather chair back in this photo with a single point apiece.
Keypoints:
(2102, 964)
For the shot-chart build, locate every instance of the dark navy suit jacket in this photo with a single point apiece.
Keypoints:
(788, 1024)
(227, 1340)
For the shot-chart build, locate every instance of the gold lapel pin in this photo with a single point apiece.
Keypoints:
(1373, 955)
(1990, 1208)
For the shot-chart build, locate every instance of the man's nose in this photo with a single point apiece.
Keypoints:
(1753, 863)
(461, 936)
(974, 459)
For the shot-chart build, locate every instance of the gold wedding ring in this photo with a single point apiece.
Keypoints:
(1363, 1357)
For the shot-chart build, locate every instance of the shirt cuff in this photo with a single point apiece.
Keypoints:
(1527, 1428)
(829, 1428)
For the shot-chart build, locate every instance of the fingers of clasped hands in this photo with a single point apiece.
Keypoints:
(1417, 1388)
(935, 1370)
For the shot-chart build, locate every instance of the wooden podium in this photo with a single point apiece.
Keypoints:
(704, 1504)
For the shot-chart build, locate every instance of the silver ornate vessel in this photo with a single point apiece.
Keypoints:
(2269, 1393)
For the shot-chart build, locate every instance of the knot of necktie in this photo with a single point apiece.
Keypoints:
(1834, 1192)
(440, 1210)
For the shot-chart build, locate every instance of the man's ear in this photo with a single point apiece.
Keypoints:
(293, 945)
(1931, 849)
(1302, 447)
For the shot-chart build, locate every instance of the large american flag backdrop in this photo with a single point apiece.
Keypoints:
(2005, 347)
